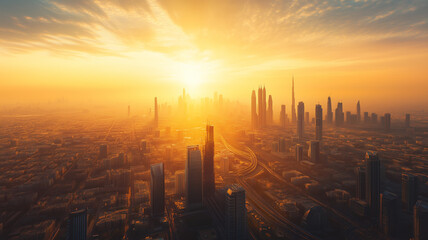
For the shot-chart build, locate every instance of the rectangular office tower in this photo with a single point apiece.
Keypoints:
(193, 178)
(318, 122)
(157, 189)
(300, 120)
(420, 220)
(236, 213)
(372, 181)
(361, 183)
(387, 118)
(314, 151)
(208, 164)
(179, 183)
(388, 213)
(77, 225)
(409, 191)
(283, 117)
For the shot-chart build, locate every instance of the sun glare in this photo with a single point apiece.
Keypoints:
(192, 75)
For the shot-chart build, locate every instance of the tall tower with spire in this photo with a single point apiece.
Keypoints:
(293, 103)
(329, 116)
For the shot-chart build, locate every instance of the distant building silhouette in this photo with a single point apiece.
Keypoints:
(318, 122)
(387, 121)
(407, 121)
(340, 116)
(409, 191)
(77, 225)
(373, 181)
(329, 117)
(270, 111)
(157, 189)
(366, 118)
(193, 177)
(358, 112)
(208, 164)
(283, 117)
(236, 213)
(314, 151)
(300, 120)
(374, 118)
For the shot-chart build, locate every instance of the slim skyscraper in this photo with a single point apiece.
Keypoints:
(314, 151)
(283, 117)
(236, 213)
(300, 120)
(388, 213)
(407, 122)
(358, 112)
(260, 106)
(340, 116)
(208, 164)
(299, 153)
(77, 225)
(253, 110)
(373, 180)
(420, 220)
(156, 113)
(180, 187)
(329, 116)
(318, 122)
(293, 103)
(193, 177)
(387, 121)
(157, 189)
(409, 191)
(270, 111)
(361, 183)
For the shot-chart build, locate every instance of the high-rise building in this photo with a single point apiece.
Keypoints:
(358, 112)
(300, 120)
(340, 116)
(77, 225)
(361, 183)
(420, 220)
(366, 117)
(329, 116)
(318, 122)
(270, 111)
(388, 213)
(299, 153)
(193, 177)
(254, 110)
(156, 113)
(373, 181)
(236, 213)
(409, 191)
(387, 121)
(103, 151)
(260, 106)
(180, 183)
(208, 164)
(157, 189)
(314, 151)
(307, 118)
(348, 117)
(283, 117)
(407, 122)
(293, 103)
(374, 118)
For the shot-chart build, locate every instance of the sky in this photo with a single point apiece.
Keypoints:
(367, 50)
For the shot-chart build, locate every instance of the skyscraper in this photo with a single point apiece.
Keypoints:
(283, 117)
(156, 113)
(329, 116)
(77, 225)
(366, 117)
(314, 151)
(300, 120)
(253, 110)
(318, 122)
(409, 191)
(407, 122)
(358, 112)
(374, 118)
(180, 182)
(361, 183)
(260, 106)
(236, 213)
(157, 189)
(208, 164)
(193, 177)
(293, 103)
(420, 220)
(388, 213)
(387, 121)
(270, 111)
(299, 153)
(340, 116)
(372, 181)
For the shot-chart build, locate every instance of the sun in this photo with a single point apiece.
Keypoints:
(192, 74)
